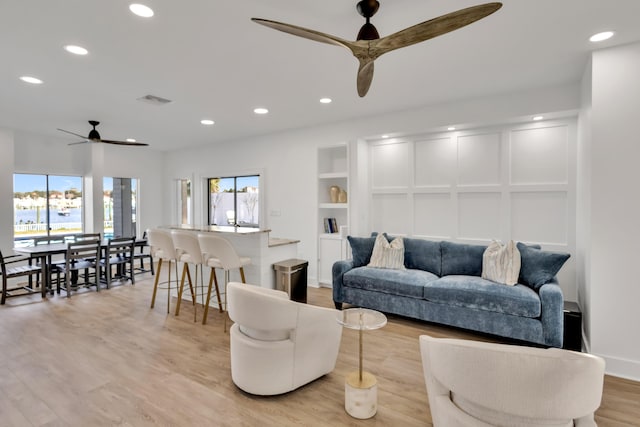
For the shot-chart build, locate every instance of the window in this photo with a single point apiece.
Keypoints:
(46, 205)
(234, 201)
(120, 202)
(184, 201)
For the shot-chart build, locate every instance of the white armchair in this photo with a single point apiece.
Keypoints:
(484, 384)
(278, 345)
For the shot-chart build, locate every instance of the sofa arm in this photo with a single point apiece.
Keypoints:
(338, 270)
(552, 315)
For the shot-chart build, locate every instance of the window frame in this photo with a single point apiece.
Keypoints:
(49, 208)
(236, 221)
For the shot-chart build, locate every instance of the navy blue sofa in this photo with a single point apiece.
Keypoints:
(441, 283)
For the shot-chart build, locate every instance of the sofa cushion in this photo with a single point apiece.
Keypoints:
(387, 254)
(361, 249)
(422, 254)
(477, 293)
(461, 259)
(501, 263)
(539, 267)
(408, 283)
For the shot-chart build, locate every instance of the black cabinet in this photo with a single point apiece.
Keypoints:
(572, 326)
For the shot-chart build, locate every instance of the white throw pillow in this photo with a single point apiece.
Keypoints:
(501, 263)
(387, 255)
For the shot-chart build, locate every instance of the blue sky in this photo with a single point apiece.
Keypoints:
(23, 183)
(243, 181)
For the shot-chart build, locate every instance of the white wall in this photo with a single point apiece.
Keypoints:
(288, 160)
(583, 206)
(615, 209)
(6, 191)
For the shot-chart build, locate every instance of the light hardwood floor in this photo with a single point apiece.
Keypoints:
(104, 359)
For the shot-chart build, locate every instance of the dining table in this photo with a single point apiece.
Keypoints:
(46, 252)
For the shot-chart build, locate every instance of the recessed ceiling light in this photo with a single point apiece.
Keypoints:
(605, 35)
(260, 110)
(32, 80)
(141, 10)
(536, 118)
(207, 122)
(385, 136)
(130, 140)
(325, 100)
(77, 50)
(451, 128)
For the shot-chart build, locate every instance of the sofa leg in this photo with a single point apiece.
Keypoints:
(338, 305)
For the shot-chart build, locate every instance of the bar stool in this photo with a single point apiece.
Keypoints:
(162, 249)
(219, 253)
(188, 252)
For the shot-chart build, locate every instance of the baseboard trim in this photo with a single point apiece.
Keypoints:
(623, 368)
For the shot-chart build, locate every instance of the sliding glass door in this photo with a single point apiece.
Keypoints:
(46, 205)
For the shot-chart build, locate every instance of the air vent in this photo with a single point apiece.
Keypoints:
(154, 100)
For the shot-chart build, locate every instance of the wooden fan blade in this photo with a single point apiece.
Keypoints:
(135, 144)
(86, 141)
(433, 28)
(365, 77)
(73, 133)
(304, 32)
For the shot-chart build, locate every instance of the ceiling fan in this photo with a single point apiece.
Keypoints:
(369, 46)
(94, 136)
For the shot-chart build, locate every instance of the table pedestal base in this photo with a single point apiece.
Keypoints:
(361, 397)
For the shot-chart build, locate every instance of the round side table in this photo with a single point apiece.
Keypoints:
(361, 388)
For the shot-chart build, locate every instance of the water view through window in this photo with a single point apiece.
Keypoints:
(46, 205)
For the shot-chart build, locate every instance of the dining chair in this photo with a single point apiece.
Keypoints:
(143, 255)
(82, 255)
(119, 253)
(46, 240)
(163, 250)
(58, 266)
(11, 271)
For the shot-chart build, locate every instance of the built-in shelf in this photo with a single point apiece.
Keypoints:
(332, 175)
(333, 171)
(334, 236)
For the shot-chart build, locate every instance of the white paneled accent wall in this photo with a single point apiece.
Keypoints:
(474, 186)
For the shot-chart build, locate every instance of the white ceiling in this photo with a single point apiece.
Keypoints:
(213, 62)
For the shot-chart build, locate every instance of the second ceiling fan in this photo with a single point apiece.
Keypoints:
(369, 46)
(94, 136)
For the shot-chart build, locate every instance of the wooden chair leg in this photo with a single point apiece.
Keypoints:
(185, 271)
(212, 279)
(155, 285)
(242, 275)
(193, 294)
(215, 281)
